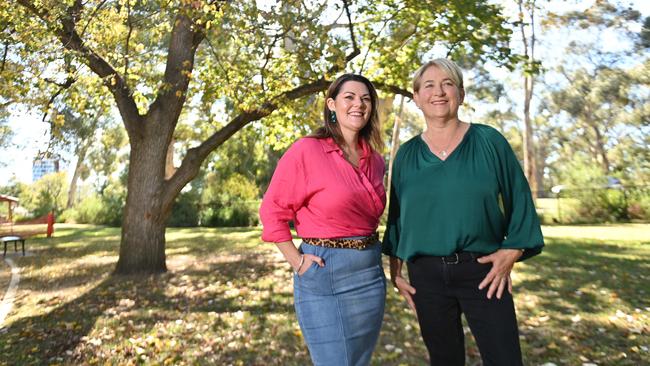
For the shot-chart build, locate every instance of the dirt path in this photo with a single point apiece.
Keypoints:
(8, 299)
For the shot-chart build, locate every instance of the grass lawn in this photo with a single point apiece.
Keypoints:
(227, 300)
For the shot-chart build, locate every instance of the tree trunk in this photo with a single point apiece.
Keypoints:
(142, 249)
(601, 152)
(72, 193)
(394, 144)
(170, 169)
(529, 147)
(540, 166)
(149, 195)
(148, 202)
(385, 107)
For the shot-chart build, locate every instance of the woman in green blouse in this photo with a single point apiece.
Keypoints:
(460, 215)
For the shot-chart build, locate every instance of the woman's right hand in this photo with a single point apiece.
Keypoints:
(308, 260)
(401, 284)
(405, 289)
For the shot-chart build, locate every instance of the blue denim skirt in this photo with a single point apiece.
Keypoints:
(340, 307)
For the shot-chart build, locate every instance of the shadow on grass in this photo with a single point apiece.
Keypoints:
(74, 244)
(590, 296)
(227, 300)
(123, 308)
(40, 339)
(581, 273)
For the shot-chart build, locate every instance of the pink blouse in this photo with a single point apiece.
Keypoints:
(326, 196)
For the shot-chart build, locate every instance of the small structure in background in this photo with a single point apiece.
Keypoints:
(11, 232)
(12, 202)
(44, 166)
(615, 183)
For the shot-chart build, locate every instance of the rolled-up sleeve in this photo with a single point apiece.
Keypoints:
(284, 196)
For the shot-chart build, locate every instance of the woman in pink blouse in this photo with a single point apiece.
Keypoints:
(330, 184)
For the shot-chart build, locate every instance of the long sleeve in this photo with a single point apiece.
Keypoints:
(390, 242)
(391, 236)
(523, 229)
(284, 196)
(322, 193)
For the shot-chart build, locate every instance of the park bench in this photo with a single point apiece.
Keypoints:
(12, 239)
(11, 232)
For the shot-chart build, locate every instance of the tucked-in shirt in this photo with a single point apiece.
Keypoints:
(477, 200)
(322, 193)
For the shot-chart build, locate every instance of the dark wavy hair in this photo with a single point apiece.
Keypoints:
(371, 132)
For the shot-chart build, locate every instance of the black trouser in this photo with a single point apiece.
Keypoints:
(443, 292)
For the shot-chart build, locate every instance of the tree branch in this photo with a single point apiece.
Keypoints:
(129, 23)
(267, 59)
(62, 86)
(452, 47)
(393, 89)
(195, 156)
(4, 56)
(41, 13)
(374, 39)
(185, 39)
(355, 49)
(218, 58)
(112, 79)
(92, 16)
(522, 28)
(350, 26)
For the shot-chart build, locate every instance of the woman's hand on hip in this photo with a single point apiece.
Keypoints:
(498, 279)
(308, 260)
(405, 289)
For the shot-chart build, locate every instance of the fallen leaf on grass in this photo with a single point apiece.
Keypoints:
(538, 351)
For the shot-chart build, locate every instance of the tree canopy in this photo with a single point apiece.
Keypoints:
(185, 76)
(214, 67)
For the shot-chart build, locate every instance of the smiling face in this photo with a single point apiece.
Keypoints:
(353, 106)
(438, 97)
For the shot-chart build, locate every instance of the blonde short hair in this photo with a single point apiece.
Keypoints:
(448, 66)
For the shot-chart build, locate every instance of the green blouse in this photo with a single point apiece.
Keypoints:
(477, 200)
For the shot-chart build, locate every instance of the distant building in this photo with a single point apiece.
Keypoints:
(42, 167)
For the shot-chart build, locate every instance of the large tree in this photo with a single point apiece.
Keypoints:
(602, 106)
(596, 101)
(219, 65)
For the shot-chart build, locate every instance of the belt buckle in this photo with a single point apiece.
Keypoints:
(367, 241)
(444, 259)
(363, 244)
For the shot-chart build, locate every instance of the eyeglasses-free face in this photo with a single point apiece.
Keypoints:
(439, 96)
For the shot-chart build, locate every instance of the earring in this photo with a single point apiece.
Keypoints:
(333, 117)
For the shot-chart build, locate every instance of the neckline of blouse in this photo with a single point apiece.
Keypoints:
(430, 153)
(330, 145)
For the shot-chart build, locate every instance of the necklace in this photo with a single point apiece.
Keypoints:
(443, 152)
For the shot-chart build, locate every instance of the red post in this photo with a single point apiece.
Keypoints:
(50, 224)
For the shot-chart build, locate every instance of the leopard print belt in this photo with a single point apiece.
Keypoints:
(344, 243)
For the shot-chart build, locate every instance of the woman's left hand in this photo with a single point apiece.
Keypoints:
(499, 276)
